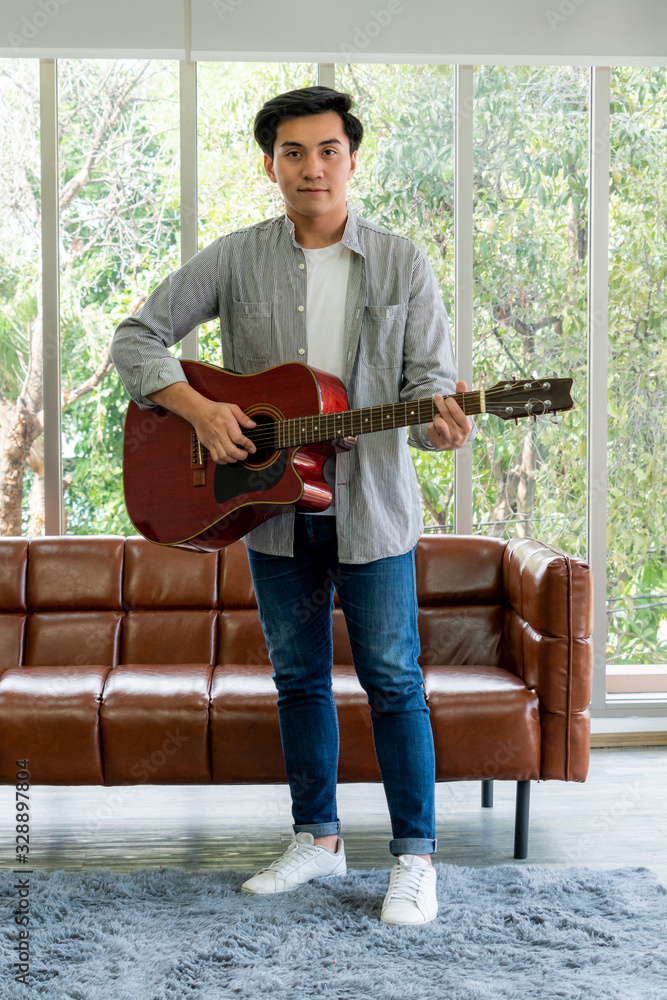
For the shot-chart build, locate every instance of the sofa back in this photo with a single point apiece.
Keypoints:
(75, 600)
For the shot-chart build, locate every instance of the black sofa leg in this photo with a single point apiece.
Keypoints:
(521, 820)
(487, 792)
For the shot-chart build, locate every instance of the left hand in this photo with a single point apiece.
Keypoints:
(451, 428)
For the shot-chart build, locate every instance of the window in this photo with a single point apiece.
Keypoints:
(637, 467)
(530, 295)
(120, 227)
(21, 456)
(119, 236)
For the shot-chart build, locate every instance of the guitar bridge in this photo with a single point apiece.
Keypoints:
(197, 460)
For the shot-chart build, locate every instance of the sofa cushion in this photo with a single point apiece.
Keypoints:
(75, 572)
(241, 639)
(459, 569)
(72, 638)
(245, 731)
(169, 637)
(243, 726)
(470, 635)
(13, 570)
(158, 577)
(236, 589)
(486, 723)
(50, 715)
(12, 634)
(154, 724)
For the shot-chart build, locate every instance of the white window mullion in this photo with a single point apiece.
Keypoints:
(53, 476)
(188, 146)
(189, 195)
(326, 75)
(463, 172)
(598, 346)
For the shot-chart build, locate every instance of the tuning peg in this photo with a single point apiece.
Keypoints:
(533, 374)
(514, 376)
(556, 418)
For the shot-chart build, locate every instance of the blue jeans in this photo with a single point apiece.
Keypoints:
(295, 598)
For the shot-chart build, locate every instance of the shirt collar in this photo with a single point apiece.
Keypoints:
(350, 238)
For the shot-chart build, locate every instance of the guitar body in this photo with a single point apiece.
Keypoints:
(177, 495)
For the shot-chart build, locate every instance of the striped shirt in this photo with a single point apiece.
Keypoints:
(398, 348)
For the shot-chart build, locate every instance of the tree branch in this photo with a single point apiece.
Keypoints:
(104, 368)
(76, 184)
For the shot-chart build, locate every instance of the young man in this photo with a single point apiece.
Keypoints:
(322, 286)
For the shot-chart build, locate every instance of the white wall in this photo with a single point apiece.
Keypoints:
(586, 32)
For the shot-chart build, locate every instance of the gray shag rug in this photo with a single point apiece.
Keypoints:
(502, 932)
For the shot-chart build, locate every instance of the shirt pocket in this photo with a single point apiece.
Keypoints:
(382, 335)
(252, 330)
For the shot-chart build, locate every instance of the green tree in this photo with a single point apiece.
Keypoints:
(119, 224)
(119, 214)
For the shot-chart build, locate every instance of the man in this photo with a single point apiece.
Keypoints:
(322, 286)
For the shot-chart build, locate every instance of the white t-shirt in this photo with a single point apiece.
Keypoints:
(328, 269)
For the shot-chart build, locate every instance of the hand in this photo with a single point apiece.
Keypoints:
(451, 428)
(219, 428)
(344, 444)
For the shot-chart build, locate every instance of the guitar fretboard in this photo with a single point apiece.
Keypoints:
(348, 423)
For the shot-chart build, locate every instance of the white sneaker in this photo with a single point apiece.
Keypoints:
(302, 861)
(411, 896)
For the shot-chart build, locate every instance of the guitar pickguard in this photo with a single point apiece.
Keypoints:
(239, 479)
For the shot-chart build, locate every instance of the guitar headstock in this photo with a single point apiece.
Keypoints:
(529, 397)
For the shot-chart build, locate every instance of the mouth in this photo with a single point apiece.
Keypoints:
(312, 190)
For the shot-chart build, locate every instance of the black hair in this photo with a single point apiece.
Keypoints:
(298, 104)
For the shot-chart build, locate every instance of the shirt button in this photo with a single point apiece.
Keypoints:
(302, 350)
(300, 308)
(301, 267)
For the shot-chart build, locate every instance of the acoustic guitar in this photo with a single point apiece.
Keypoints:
(177, 495)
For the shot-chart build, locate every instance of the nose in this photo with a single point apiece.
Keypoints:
(312, 166)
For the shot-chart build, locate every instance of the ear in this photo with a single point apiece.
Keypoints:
(268, 166)
(353, 163)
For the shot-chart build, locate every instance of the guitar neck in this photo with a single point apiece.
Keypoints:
(349, 423)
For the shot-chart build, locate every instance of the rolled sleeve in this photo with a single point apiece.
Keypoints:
(140, 346)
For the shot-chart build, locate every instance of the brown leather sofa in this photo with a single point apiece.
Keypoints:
(124, 662)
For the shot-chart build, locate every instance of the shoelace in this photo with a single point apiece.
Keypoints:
(405, 882)
(294, 854)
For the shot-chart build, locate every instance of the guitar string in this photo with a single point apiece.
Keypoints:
(266, 436)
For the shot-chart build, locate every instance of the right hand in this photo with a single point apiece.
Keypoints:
(219, 428)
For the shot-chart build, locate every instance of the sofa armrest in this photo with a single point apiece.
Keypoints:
(547, 642)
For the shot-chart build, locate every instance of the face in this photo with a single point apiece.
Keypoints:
(311, 164)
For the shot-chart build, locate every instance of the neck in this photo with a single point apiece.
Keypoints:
(323, 231)
(297, 431)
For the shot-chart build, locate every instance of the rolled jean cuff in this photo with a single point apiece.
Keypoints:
(318, 829)
(413, 845)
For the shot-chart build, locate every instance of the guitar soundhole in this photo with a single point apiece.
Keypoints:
(262, 455)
